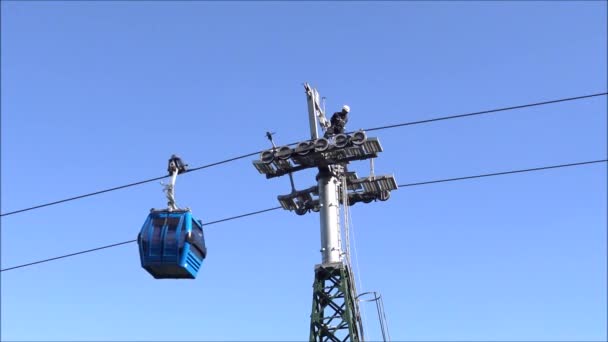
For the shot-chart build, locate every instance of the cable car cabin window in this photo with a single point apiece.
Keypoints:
(170, 236)
(157, 230)
(196, 252)
(198, 241)
(199, 232)
(170, 248)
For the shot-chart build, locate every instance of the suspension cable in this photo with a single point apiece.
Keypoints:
(275, 208)
(257, 152)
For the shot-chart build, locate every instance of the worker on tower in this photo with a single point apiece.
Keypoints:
(338, 121)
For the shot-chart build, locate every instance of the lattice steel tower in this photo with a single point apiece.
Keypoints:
(335, 310)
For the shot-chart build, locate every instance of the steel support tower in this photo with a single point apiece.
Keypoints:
(335, 310)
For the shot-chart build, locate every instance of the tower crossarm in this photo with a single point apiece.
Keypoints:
(322, 152)
(365, 190)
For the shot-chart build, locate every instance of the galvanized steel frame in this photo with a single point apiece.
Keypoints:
(333, 315)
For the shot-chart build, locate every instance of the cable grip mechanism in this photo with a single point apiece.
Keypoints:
(175, 167)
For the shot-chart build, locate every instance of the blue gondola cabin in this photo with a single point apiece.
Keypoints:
(172, 244)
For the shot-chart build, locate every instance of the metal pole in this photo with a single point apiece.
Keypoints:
(312, 117)
(330, 229)
(170, 190)
(334, 314)
(328, 194)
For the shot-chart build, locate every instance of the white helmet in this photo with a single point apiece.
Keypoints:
(346, 108)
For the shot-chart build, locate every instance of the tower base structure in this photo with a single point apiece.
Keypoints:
(334, 316)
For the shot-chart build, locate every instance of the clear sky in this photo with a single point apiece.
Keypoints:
(100, 94)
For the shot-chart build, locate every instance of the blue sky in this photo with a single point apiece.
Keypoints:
(100, 94)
